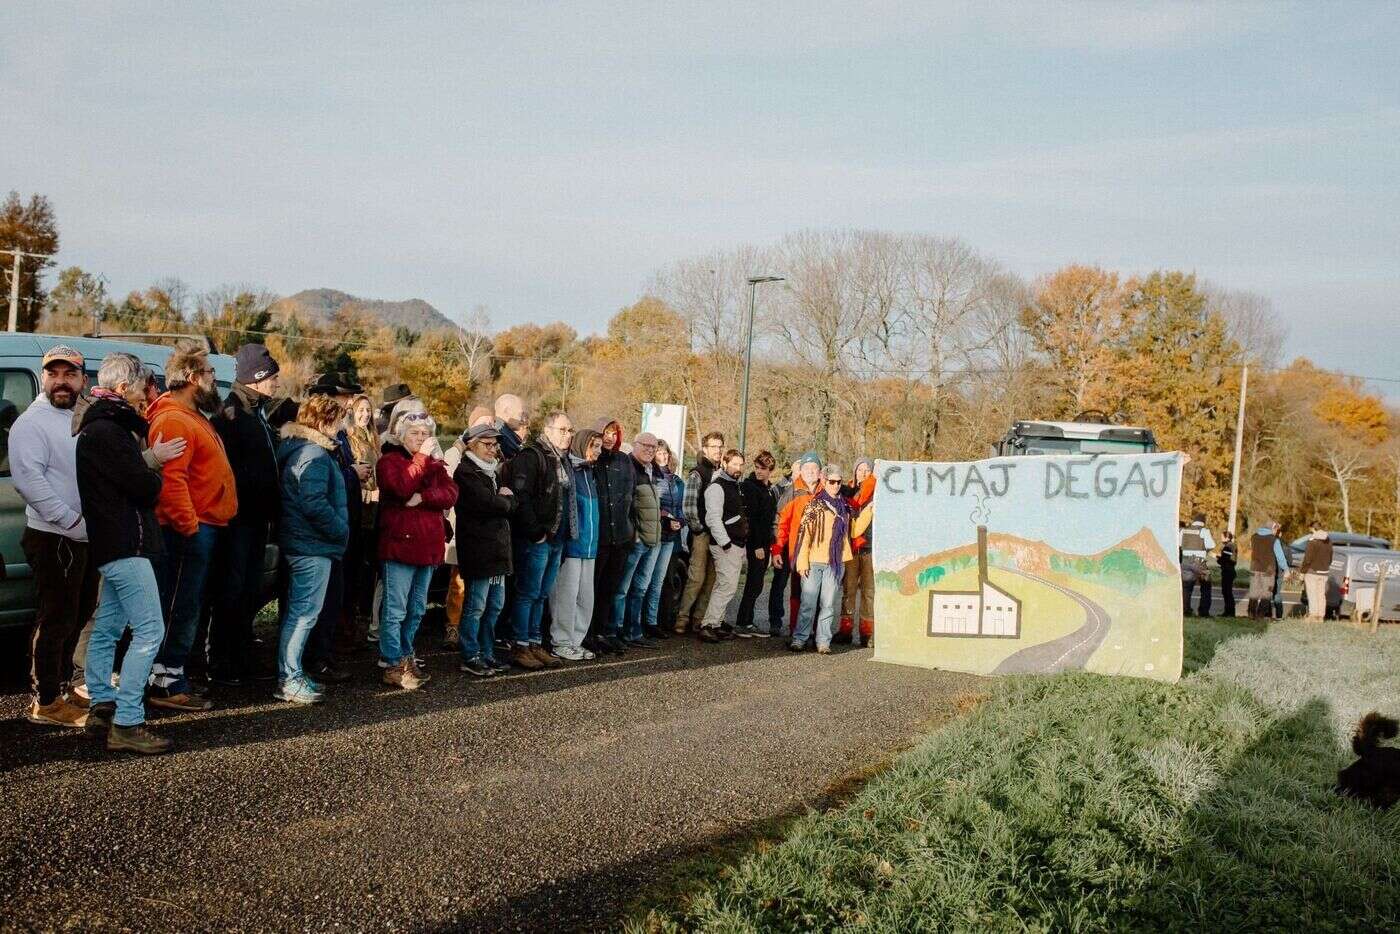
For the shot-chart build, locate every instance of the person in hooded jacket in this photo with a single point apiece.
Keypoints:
(414, 489)
(617, 533)
(571, 599)
(484, 506)
(313, 535)
(858, 578)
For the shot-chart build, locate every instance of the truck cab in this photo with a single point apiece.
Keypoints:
(1076, 437)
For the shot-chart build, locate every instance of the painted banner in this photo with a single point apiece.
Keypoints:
(1030, 564)
(667, 422)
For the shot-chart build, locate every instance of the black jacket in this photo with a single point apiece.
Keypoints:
(533, 476)
(118, 491)
(760, 509)
(617, 484)
(251, 445)
(483, 523)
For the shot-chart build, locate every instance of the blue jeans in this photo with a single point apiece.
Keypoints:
(184, 569)
(476, 631)
(405, 599)
(130, 597)
(536, 566)
(820, 593)
(307, 578)
(632, 592)
(652, 604)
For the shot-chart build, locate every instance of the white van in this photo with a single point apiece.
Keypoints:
(1359, 575)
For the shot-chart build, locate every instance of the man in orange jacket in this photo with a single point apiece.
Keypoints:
(198, 496)
(790, 509)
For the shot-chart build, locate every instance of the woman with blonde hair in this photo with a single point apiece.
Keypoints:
(314, 531)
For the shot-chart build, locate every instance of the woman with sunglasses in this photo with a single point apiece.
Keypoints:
(823, 548)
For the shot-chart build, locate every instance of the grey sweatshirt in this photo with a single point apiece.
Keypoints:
(43, 460)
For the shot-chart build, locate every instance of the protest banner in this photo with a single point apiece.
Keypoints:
(667, 422)
(1016, 565)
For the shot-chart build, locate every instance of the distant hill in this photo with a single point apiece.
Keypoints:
(318, 306)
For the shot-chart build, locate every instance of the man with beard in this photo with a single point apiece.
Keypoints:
(43, 454)
(197, 499)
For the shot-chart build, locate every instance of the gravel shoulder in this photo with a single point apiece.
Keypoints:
(538, 801)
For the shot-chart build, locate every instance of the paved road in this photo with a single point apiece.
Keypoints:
(1066, 653)
(539, 801)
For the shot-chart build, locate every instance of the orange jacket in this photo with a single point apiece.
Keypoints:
(198, 486)
(862, 502)
(790, 518)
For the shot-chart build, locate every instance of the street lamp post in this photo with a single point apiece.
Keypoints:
(754, 282)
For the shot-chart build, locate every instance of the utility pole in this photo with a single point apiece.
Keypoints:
(1239, 450)
(14, 283)
(754, 282)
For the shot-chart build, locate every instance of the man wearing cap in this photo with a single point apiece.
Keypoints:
(43, 460)
(251, 445)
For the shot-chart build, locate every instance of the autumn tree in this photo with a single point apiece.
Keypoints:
(28, 226)
(1077, 318)
(76, 303)
(234, 315)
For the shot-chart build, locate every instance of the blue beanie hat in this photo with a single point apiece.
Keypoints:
(810, 457)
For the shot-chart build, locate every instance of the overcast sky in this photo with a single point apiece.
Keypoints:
(546, 159)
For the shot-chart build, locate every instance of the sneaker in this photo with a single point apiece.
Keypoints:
(823, 650)
(418, 671)
(402, 676)
(545, 659)
(522, 657)
(139, 739)
(99, 717)
(77, 688)
(227, 679)
(614, 645)
(478, 669)
(744, 632)
(372, 638)
(182, 702)
(57, 712)
(709, 635)
(586, 655)
(500, 666)
(449, 637)
(568, 653)
(758, 633)
(794, 646)
(384, 663)
(300, 692)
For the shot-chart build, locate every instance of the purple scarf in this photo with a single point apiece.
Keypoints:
(840, 528)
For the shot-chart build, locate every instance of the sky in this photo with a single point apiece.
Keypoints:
(546, 159)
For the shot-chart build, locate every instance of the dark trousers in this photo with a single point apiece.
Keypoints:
(607, 577)
(236, 586)
(357, 573)
(756, 570)
(319, 646)
(671, 588)
(181, 572)
(66, 587)
(1227, 590)
(777, 594)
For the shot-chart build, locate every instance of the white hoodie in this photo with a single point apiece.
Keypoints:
(43, 460)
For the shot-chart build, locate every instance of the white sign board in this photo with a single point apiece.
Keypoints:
(667, 422)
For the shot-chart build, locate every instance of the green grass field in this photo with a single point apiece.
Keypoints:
(1086, 802)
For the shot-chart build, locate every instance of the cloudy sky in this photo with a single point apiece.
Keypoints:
(545, 159)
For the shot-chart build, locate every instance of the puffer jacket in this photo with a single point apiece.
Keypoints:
(315, 521)
(483, 523)
(617, 482)
(646, 505)
(671, 490)
(415, 535)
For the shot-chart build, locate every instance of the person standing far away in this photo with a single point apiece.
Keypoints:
(511, 421)
(484, 507)
(782, 492)
(1196, 545)
(1316, 567)
(414, 489)
(760, 509)
(119, 491)
(700, 576)
(43, 460)
(858, 577)
(628, 604)
(806, 482)
(545, 513)
(1266, 556)
(571, 598)
(670, 492)
(728, 528)
(823, 548)
(313, 535)
(198, 498)
(616, 534)
(239, 549)
(1281, 570)
(1227, 559)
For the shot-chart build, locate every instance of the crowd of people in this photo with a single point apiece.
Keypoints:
(149, 514)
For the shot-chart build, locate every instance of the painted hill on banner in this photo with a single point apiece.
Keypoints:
(1132, 560)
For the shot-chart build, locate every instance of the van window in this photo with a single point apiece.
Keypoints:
(17, 390)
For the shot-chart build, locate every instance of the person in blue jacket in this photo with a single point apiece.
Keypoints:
(571, 601)
(315, 531)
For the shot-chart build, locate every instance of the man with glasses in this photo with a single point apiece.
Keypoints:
(545, 517)
(198, 497)
(823, 550)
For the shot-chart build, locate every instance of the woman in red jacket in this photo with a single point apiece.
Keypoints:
(414, 489)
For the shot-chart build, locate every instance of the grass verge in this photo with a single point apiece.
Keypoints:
(1086, 802)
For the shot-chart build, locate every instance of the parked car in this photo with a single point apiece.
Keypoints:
(1339, 540)
(20, 357)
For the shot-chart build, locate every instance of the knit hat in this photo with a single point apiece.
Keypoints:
(253, 363)
(810, 457)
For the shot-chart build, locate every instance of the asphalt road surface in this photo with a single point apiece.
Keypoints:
(539, 801)
(1069, 652)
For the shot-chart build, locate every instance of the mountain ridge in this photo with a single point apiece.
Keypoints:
(319, 307)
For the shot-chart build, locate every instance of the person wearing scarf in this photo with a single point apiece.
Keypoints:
(823, 546)
(858, 578)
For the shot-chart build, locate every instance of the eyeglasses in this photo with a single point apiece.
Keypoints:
(831, 482)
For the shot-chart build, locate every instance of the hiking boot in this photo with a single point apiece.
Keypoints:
(710, 635)
(183, 702)
(139, 739)
(449, 637)
(78, 694)
(99, 717)
(57, 712)
(478, 669)
(545, 659)
(299, 692)
(402, 676)
(522, 657)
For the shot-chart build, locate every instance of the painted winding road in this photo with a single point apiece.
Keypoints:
(1067, 653)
